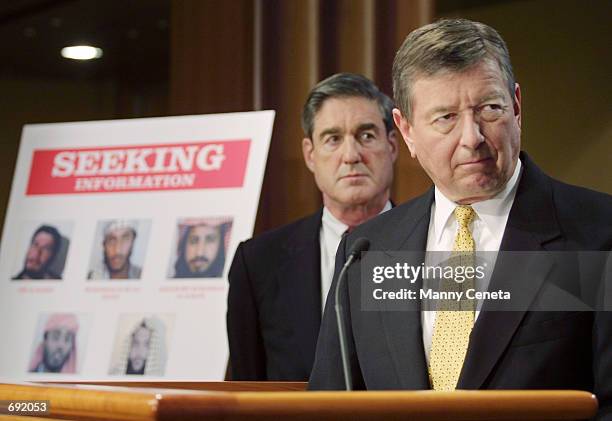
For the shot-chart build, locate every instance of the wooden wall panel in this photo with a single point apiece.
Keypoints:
(211, 68)
(267, 54)
(290, 67)
(363, 36)
(410, 179)
(356, 36)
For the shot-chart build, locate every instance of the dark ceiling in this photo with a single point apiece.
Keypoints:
(134, 35)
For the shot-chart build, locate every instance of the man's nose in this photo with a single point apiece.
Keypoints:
(65, 346)
(200, 247)
(141, 352)
(351, 150)
(471, 134)
(35, 252)
(124, 247)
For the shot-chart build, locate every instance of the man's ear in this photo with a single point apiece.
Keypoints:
(404, 127)
(307, 150)
(517, 104)
(392, 139)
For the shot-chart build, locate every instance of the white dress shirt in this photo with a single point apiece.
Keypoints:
(330, 235)
(487, 229)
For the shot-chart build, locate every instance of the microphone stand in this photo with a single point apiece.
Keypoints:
(361, 244)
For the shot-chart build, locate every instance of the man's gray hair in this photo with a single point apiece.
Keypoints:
(345, 85)
(446, 45)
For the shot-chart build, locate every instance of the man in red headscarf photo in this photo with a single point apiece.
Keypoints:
(56, 353)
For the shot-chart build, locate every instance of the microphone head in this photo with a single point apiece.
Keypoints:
(361, 244)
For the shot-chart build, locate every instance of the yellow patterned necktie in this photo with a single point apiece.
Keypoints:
(452, 328)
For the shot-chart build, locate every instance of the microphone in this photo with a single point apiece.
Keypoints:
(361, 244)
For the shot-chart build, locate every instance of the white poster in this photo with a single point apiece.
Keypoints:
(117, 242)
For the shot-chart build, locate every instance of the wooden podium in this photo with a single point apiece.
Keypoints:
(267, 400)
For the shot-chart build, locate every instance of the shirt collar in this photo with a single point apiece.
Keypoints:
(492, 211)
(332, 223)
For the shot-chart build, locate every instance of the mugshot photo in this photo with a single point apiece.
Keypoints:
(200, 248)
(59, 343)
(119, 249)
(141, 344)
(42, 250)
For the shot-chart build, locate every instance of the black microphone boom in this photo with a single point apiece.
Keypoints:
(360, 245)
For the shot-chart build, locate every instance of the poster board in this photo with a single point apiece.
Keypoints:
(117, 242)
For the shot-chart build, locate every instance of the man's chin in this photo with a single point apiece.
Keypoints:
(359, 198)
(117, 267)
(477, 193)
(56, 364)
(198, 272)
(33, 268)
(138, 366)
(356, 181)
(34, 274)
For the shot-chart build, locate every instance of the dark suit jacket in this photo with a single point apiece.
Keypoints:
(274, 303)
(507, 349)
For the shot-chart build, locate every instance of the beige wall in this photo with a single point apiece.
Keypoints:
(560, 50)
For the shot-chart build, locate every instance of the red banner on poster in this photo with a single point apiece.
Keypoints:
(193, 165)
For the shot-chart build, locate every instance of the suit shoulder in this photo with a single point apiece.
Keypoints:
(300, 230)
(583, 212)
(256, 259)
(583, 202)
(417, 206)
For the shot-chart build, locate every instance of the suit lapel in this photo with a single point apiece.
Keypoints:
(402, 329)
(300, 278)
(531, 225)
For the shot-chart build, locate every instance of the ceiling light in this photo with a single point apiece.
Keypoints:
(81, 52)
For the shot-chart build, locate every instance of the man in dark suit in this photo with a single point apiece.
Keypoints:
(279, 280)
(460, 116)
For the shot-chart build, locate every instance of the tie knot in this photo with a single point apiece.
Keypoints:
(464, 215)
